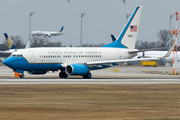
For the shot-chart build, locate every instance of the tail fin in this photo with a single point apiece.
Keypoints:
(9, 41)
(128, 35)
(113, 38)
(61, 29)
(27, 45)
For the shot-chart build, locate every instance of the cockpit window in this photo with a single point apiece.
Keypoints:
(13, 55)
(17, 55)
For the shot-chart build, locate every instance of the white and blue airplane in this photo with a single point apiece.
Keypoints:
(48, 33)
(79, 60)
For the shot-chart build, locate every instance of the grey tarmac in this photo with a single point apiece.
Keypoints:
(113, 75)
(89, 81)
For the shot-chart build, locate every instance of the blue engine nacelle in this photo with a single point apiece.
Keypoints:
(76, 69)
(37, 72)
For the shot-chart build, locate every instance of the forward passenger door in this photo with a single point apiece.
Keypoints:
(32, 56)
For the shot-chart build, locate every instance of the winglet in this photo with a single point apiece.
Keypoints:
(169, 52)
(61, 29)
(9, 41)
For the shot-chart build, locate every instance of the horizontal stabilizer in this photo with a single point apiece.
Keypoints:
(144, 50)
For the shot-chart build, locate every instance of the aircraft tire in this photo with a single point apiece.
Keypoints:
(87, 76)
(21, 75)
(63, 75)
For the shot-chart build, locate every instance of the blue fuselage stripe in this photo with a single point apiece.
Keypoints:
(22, 64)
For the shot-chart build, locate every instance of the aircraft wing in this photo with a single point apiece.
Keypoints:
(5, 52)
(169, 52)
(8, 51)
(128, 60)
(109, 62)
(117, 61)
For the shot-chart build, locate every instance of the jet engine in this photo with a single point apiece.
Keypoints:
(76, 69)
(37, 72)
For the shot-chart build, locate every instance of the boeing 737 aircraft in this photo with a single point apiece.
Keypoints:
(48, 33)
(79, 60)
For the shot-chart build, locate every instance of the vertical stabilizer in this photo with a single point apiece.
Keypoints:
(128, 35)
(28, 45)
(9, 42)
(61, 29)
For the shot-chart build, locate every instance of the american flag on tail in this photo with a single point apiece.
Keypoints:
(133, 28)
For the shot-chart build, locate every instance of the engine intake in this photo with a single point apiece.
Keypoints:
(76, 69)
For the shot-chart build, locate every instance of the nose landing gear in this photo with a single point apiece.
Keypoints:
(21, 75)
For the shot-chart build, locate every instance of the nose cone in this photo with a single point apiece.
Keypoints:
(9, 62)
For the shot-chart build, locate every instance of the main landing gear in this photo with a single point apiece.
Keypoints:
(87, 76)
(63, 74)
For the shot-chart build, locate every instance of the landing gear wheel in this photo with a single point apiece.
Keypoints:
(21, 75)
(87, 76)
(63, 74)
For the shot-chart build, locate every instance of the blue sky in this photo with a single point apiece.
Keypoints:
(102, 18)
